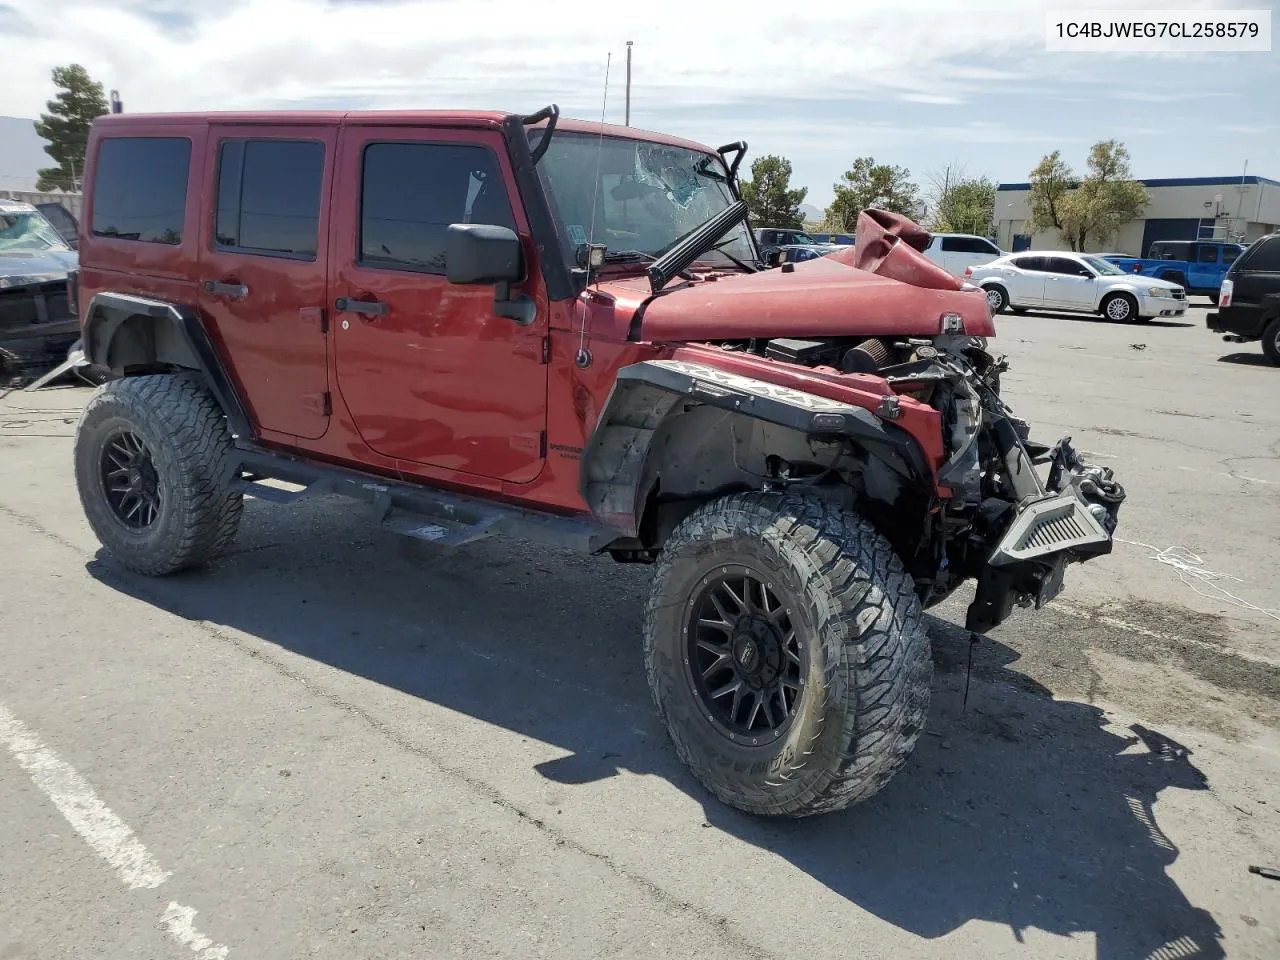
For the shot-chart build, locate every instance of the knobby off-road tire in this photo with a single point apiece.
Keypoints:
(867, 668)
(180, 444)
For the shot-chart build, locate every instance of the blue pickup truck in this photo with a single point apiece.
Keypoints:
(1199, 266)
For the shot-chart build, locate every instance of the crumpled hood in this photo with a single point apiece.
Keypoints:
(23, 269)
(881, 286)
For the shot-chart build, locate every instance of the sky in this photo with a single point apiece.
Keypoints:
(918, 83)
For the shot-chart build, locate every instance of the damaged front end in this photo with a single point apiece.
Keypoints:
(1004, 525)
(37, 321)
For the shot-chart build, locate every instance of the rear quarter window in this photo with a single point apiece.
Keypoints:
(139, 189)
(1262, 257)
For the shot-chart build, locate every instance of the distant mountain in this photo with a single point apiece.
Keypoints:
(21, 154)
(810, 212)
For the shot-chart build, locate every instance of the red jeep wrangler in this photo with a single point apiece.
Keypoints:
(485, 324)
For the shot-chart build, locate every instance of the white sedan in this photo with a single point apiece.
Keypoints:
(1075, 281)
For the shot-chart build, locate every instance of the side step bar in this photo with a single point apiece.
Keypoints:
(437, 516)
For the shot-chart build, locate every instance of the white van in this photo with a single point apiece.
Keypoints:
(955, 251)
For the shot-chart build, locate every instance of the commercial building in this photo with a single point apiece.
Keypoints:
(1239, 208)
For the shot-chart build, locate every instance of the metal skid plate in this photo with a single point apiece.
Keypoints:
(1048, 526)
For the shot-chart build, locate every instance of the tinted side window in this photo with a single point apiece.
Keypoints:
(1262, 257)
(1063, 265)
(1208, 255)
(967, 245)
(1229, 254)
(410, 194)
(1036, 264)
(269, 196)
(140, 188)
(1170, 250)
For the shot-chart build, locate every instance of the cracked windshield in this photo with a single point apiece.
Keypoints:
(28, 233)
(646, 198)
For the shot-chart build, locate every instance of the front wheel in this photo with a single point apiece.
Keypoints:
(150, 461)
(785, 651)
(1120, 308)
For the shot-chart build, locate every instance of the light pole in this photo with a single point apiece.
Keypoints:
(627, 122)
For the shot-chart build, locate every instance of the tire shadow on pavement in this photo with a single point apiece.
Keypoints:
(1017, 809)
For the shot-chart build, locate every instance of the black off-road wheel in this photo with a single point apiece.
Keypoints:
(150, 457)
(785, 651)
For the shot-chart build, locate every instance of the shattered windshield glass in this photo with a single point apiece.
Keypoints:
(28, 233)
(645, 198)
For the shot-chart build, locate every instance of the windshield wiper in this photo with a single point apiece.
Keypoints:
(720, 249)
(697, 242)
(622, 256)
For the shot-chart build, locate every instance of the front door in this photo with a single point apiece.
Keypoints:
(263, 261)
(429, 372)
(1068, 283)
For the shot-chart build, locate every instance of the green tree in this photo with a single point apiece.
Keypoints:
(869, 184)
(769, 196)
(66, 126)
(962, 204)
(1107, 197)
(1051, 181)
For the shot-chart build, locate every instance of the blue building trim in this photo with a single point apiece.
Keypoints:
(1249, 180)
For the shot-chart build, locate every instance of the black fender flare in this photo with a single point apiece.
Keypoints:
(616, 464)
(120, 327)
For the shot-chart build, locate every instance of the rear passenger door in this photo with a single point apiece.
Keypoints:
(1026, 281)
(1205, 271)
(263, 271)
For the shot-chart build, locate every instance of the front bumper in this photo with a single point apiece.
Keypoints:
(1069, 519)
(1162, 306)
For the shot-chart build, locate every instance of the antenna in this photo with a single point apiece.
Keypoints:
(628, 120)
(584, 356)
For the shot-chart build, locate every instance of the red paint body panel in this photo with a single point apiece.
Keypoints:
(822, 297)
(272, 339)
(419, 382)
(165, 271)
(443, 391)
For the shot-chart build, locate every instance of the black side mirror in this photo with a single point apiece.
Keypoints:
(482, 253)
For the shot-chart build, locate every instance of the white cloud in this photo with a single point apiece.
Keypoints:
(173, 55)
(701, 70)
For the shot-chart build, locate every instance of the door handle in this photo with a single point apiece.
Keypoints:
(226, 289)
(369, 308)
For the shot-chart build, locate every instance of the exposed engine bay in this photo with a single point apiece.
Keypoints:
(1003, 524)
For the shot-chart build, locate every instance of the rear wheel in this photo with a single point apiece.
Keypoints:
(1271, 341)
(1120, 308)
(786, 654)
(997, 297)
(150, 459)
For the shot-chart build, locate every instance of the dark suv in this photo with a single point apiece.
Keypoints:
(1249, 304)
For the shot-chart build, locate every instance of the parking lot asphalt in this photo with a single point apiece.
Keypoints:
(337, 743)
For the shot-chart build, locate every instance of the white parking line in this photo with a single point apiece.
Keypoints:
(179, 921)
(105, 833)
